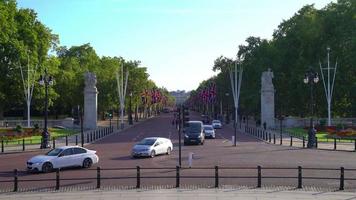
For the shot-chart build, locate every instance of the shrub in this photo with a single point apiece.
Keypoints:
(18, 129)
(322, 124)
(36, 127)
(339, 127)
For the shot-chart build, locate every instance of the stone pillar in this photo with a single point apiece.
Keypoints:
(267, 99)
(90, 101)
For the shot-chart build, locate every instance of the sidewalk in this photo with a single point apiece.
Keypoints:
(72, 139)
(170, 194)
(287, 140)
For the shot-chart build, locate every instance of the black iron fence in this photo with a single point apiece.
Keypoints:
(89, 136)
(257, 174)
(282, 138)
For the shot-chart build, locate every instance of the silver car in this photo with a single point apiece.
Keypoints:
(209, 131)
(216, 124)
(152, 146)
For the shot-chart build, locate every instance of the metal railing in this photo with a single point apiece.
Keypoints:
(89, 136)
(97, 177)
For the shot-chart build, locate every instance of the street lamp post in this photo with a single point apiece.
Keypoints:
(130, 110)
(227, 107)
(45, 80)
(311, 78)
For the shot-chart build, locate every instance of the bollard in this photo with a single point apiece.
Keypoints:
(274, 138)
(299, 177)
(303, 141)
(280, 138)
(2, 146)
(76, 139)
(270, 137)
(259, 176)
(216, 176)
(54, 142)
(98, 179)
(57, 179)
(190, 159)
(291, 141)
(91, 136)
(354, 145)
(316, 142)
(177, 177)
(66, 140)
(15, 180)
(334, 143)
(138, 183)
(23, 144)
(342, 178)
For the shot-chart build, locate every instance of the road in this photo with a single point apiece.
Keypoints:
(114, 152)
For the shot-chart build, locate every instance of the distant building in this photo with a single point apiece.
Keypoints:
(180, 96)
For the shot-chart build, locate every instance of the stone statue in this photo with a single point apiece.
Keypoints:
(90, 101)
(267, 99)
(90, 80)
(267, 79)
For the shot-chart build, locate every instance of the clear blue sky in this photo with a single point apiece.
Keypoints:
(177, 40)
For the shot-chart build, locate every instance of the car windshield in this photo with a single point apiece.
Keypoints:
(208, 128)
(147, 141)
(193, 128)
(54, 152)
(216, 121)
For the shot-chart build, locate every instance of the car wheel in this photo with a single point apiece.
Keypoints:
(87, 163)
(153, 154)
(47, 167)
(169, 150)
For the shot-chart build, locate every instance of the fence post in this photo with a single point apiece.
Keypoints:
(54, 142)
(270, 137)
(98, 177)
(66, 140)
(216, 176)
(2, 146)
(177, 177)
(303, 141)
(274, 138)
(259, 177)
(76, 139)
(342, 178)
(23, 144)
(15, 180)
(291, 141)
(57, 179)
(138, 181)
(299, 177)
(334, 143)
(316, 142)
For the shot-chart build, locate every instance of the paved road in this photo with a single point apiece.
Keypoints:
(114, 152)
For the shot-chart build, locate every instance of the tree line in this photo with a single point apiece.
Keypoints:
(297, 45)
(24, 40)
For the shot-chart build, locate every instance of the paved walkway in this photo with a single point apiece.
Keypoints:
(170, 194)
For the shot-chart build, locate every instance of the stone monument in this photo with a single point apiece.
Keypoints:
(90, 101)
(267, 99)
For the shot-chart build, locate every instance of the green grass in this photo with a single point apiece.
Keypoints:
(56, 133)
(321, 135)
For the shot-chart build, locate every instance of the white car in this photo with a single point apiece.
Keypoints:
(209, 131)
(152, 146)
(61, 157)
(216, 124)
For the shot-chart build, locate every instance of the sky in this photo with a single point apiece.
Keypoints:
(177, 40)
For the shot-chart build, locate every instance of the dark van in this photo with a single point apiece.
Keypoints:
(194, 133)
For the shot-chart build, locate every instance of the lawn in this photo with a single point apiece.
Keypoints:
(322, 136)
(36, 139)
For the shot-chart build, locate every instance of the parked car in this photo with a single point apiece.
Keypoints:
(216, 124)
(194, 133)
(209, 131)
(152, 146)
(62, 157)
